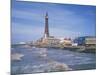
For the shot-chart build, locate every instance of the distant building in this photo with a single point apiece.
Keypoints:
(86, 40)
(66, 41)
(90, 41)
(80, 40)
(51, 41)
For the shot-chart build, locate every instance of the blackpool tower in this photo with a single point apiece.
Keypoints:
(46, 32)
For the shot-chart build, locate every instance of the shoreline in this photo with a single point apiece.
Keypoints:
(71, 48)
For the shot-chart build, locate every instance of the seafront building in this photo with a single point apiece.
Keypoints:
(47, 40)
(86, 41)
(66, 42)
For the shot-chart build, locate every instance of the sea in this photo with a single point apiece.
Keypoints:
(29, 60)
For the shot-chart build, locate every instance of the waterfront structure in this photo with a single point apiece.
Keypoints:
(86, 41)
(51, 41)
(46, 32)
(47, 40)
(90, 41)
(66, 42)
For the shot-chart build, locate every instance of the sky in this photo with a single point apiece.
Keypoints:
(65, 20)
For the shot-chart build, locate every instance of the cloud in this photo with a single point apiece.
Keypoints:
(26, 15)
(57, 32)
(26, 29)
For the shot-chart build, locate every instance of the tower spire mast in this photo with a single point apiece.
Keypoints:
(46, 32)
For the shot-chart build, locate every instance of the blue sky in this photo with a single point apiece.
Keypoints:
(65, 20)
